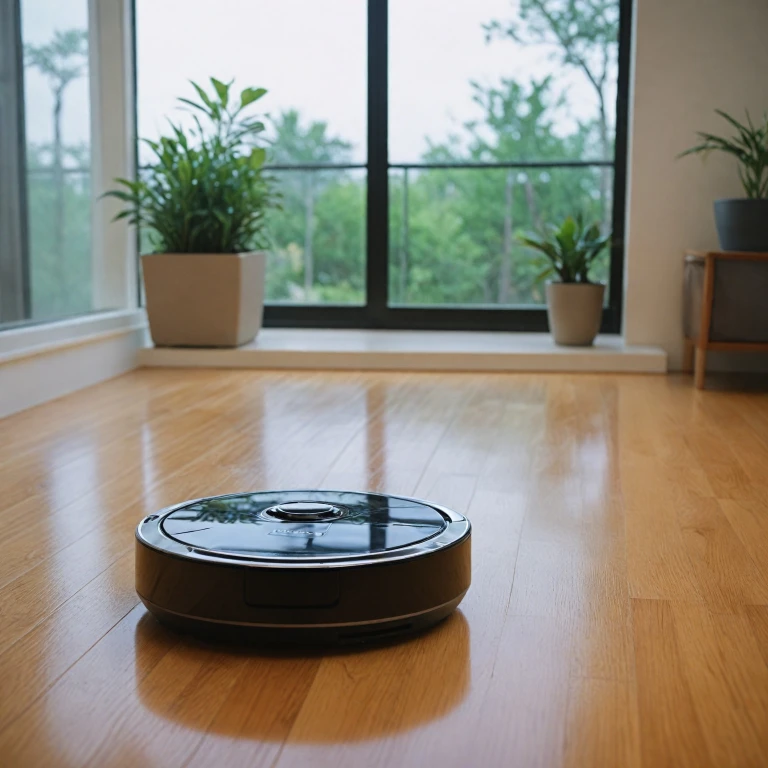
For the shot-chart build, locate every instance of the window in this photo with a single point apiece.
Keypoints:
(46, 180)
(411, 145)
(311, 57)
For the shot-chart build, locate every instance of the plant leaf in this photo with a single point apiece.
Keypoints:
(249, 95)
(257, 157)
(222, 90)
(213, 109)
(194, 104)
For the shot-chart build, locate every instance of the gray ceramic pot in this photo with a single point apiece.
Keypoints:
(574, 311)
(742, 224)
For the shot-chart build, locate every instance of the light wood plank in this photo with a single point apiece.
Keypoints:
(758, 620)
(357, 700)
(602, 729)
(728, 680)
(749, 520)
(658, 564)
(671, 735)
(259, 712)
(77, 714)
(726, 575)
(524, 715)
(30, 666)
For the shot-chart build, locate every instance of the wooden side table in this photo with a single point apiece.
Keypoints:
(725, 306)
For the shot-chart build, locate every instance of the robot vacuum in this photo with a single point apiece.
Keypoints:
(303, 567)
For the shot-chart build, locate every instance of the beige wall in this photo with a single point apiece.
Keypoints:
(690, 57)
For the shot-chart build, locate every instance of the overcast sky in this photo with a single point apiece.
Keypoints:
(311, 55)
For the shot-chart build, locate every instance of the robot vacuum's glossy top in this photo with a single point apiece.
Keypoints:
(303, 527)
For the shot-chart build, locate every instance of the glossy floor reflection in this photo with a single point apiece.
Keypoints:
(618, 614)
(272, 684)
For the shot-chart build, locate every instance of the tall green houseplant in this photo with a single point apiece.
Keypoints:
(204, 190)
(202, 199)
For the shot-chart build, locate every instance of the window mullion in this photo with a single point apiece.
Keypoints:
(377, 216)
(15, 298)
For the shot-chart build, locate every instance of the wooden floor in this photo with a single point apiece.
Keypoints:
(618, 614)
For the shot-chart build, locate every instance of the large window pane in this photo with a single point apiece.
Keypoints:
(452, 232)
(317, 252)
(525, 89)
(311, 56)
(312, 59)
(55, 39)
(531, 79)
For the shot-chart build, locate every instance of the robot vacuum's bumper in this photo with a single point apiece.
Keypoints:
(304, 635)
(397, 567)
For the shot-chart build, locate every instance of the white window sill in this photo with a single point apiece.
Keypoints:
(413, 351)
(33, 340)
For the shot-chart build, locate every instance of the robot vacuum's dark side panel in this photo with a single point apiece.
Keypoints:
(303, 560)
(269, 588)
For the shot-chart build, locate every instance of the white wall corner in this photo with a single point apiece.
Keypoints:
(690, 57)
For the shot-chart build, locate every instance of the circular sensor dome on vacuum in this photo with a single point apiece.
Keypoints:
(306, 567)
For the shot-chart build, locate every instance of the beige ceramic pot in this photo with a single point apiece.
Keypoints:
(574, 311)
(204, 299)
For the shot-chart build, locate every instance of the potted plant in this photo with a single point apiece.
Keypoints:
(742, 223)
(574, 303)
(202, 199)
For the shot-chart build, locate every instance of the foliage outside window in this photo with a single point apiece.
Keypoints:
(58, 182)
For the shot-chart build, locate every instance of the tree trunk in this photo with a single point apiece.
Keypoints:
(530, 198)
(58, 210)
(605, 172)
(403, 288)
(505, 270)
(309, 213)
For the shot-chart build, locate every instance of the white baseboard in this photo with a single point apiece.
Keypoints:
(56, 363)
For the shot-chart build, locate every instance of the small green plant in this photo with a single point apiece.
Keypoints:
(568, 250)
(749, 146)
(205, 190)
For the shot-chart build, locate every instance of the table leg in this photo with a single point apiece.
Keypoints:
(700, 368)
(688, 351)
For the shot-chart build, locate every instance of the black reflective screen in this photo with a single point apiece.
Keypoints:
(238, 525)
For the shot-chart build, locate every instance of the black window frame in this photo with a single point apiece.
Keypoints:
(15, 282)
(376, 313)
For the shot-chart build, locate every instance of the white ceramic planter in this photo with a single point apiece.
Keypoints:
(574, 311)
(204, 299)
